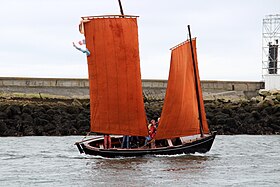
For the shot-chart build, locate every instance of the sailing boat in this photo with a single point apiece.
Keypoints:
(116, 101)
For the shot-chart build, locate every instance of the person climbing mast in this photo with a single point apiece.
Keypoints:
(81, 45)
(82, 48)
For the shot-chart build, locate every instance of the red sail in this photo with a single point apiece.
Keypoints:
(116, 101)
(180, 114)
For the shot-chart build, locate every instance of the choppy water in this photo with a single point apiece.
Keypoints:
(54, 161)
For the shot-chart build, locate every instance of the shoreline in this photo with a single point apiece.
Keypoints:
(26, 115)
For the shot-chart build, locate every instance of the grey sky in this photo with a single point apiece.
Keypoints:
(36, 36)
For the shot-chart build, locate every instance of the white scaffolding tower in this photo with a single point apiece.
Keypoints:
(270, 51)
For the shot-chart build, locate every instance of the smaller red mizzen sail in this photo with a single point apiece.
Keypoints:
(180, 114)
(116, 101)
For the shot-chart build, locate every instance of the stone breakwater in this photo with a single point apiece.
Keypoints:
(258, 116)
(55, 117)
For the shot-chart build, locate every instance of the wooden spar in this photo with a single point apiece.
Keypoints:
(121, 9)
(196, 85)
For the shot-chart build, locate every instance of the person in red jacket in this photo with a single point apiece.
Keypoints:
(151, 131)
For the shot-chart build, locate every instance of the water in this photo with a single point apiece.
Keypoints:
(54, 161)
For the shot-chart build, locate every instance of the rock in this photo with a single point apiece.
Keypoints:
(49, 127)
(73, 110)
(11, 123)
(275, 127)
(3, 107)
(268, 102)
(254, 100)
(265, 103)
(278, 97)
(276, 109)
(77, 103)
(39, 130)
(28, 130)
(270, 97)
(8, 111)
(39, 121)
(226, 111)
(27, 117)
(274, 92)
(257, 99)
(256, 115)
(27, 109)
(3, 115)
(264, 93)
(64, 132)
(17, 117)
(62, 103)
(209, 115)
(51, 112)
(46, 117)
(40, 109)
(82, 116)
(3, 127)
(73, 131)
(86, 105)
(268, 120)
(10, 132)
(83, 130)
(54, 132)
(241, 128)
(231, 122)
(57, 119)
(222, 100)
(15, 109)
(82, 123)
(46, 107)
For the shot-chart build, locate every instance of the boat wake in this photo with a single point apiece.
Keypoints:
(146, 156)
(107, 158)
(181, 155)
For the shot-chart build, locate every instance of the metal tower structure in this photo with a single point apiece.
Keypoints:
(270, 43)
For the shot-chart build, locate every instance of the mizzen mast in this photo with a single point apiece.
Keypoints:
(196, 85)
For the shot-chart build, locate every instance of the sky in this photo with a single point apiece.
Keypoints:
(36, 36)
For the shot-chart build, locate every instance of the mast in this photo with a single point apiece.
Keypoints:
(121, 9)
(196, 85)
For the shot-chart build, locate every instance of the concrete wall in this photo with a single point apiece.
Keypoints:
(79, 87)
(231, 85)
(42, 82)
(52, 86)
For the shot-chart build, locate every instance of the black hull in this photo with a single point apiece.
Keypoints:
(199, 146)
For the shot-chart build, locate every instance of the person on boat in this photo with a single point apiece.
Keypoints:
(125, 142)
(134, 141)
(157, 123)
(81, 45)
(82, 25)
(107, 141)
(153, 128)
(151, 131)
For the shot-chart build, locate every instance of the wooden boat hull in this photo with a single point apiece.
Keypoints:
(200, 146)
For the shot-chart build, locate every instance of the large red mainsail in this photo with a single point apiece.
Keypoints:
(116, 101)
(180, 114)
